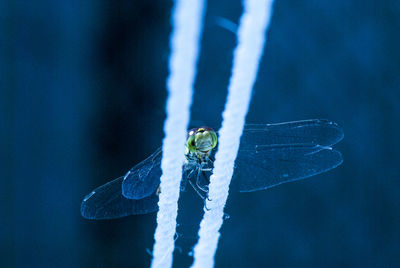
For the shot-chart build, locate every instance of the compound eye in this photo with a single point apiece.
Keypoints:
(191, 144)
(214, 138)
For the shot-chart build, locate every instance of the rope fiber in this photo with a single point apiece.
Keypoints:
(251, 40)
(187, 21)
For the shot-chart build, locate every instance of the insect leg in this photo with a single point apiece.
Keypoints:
(185, 179)
(197, 191)
(205, 187)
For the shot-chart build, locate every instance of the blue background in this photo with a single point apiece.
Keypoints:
(82, 98)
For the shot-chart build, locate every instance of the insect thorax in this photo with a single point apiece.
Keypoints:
(197, 157)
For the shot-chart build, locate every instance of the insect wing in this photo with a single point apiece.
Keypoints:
(273, 154)
(310, 132)
(274, 165)
(107, 202)
(144, 178)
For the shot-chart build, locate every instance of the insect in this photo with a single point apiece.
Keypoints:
(269, 155)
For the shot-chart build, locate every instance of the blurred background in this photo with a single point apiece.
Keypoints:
(82, 98)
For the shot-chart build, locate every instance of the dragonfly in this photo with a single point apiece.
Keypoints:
(269, 155)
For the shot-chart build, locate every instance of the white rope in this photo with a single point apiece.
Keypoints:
(185, 41)
(251, 39)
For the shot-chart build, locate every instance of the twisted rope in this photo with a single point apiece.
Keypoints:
(251, 40)
(185, 43)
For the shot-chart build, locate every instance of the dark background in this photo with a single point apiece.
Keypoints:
(82, 101)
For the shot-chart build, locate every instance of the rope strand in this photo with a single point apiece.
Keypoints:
(185, 42)
(251, 40)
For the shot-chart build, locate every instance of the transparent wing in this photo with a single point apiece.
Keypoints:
(144, 178)
(310, 132)
(273, 154)
(107, 202)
